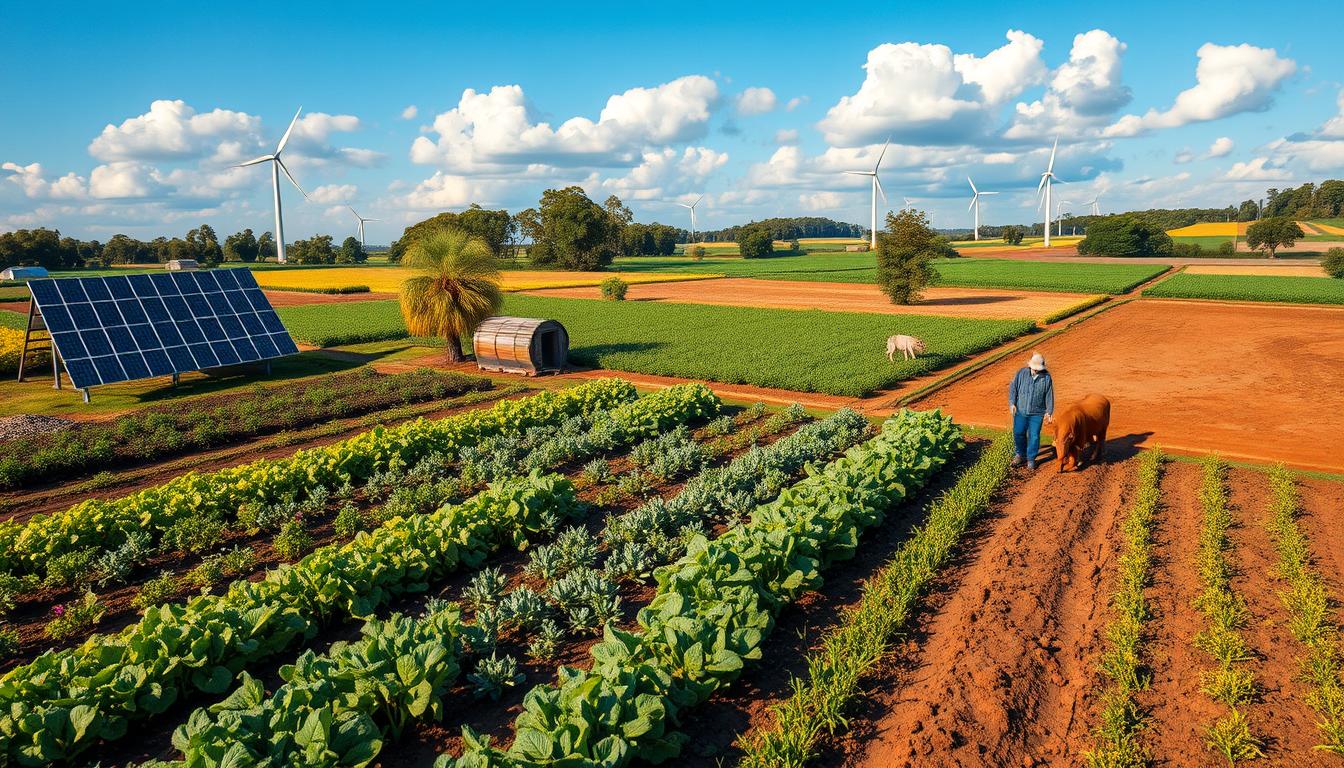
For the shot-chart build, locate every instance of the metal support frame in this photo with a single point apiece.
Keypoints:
(37, 323)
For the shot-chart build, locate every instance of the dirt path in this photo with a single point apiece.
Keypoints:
(1279, 714)
(1004, 672)
(843, 297)
(1176, 708)
(1195, 377)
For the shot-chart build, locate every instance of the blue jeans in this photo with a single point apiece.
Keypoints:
(1027, 434)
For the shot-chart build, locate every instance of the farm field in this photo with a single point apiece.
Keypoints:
(1262, 270)
(1212, 229)
(843, 297)
(844, 353)
(1243, 287)
(389, 279)
(1191, 376)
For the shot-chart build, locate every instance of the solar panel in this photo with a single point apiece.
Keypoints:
(124, 327)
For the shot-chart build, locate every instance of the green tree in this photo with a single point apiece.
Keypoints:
(351, 252)
(37, 247)
(1248, 210)
(266, 246)
(204, 245)
(496, 228)
(755, 243)
(317, 249)
(1012, 235)
(1125, 235)
(1330, 198)
(1333, 262)
(573, 232)
(1269, 235)
(905, 252)
(122, 249)
(664, 239)
(241, 246)
(457, 287)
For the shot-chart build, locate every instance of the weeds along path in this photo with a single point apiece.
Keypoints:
(1005, 667)
(1279, 714)
(1176, 708)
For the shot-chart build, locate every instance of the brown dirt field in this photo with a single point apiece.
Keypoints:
(1289, 270)
(1278, 715)
(1004, 671)
(20, 307)
(298, 298)
(1237, 379)
(841, 297)
(1322, 509)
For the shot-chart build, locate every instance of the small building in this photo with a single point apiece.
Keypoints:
(23, 273)
(182, 265)
(526, 345)
(862, 248)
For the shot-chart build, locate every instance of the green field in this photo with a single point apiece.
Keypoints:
(1208, 242)
(1297, 290)
(13, 320)
(838, 353)
(964, 273)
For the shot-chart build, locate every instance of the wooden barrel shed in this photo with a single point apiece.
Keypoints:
(525, 345)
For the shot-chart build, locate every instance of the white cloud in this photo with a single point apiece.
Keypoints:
(665, 173)
(497, 129)
(444, 190)
(334, 193)
(1183, 157)
(786, 136)
(1258, 169)
(32, 180)
(1229, 79)
(1082, 93)
(410, 112)
(123, 179)
(1334, 127)
(1220, 147)
(822, 201)
(796, 102)
(926, 93)
(173, 130)
(756, 101)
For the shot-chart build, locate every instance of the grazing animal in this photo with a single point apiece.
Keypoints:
(908, 346)
(1078, 425)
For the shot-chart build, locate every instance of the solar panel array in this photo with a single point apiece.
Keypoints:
(125, 327)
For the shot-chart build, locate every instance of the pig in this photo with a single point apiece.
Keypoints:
(1078, 425)
(909, 347)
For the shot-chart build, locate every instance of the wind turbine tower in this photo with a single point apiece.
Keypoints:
(877, 189)
(975, 203)
(691, 208)
(1047, 179)
(361, 220)
(278, 165)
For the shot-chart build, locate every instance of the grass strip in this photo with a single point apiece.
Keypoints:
(1117, 744)
(333, 290)
(836, 671)
(1309, 607)
(1225, 612)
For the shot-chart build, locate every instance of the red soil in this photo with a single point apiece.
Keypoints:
(296, 298)
(1250, 382)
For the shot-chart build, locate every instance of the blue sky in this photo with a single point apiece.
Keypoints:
(124, 120)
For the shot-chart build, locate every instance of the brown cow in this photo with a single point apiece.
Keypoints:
(1079, 424)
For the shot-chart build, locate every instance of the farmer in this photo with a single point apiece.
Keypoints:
(1031, 399)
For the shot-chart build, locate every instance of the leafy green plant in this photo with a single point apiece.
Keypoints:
(72, 569)
(293, 539)
(486, 588)
(614, 289)
(74, 618)
(156, 591)
(596, 471)
(545, 642)
(194, 533)
(12, 588)
(493, 674)
(9, 642)
(115, 566)
(523, 608)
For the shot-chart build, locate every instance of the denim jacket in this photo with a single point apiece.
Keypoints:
(1032, 395)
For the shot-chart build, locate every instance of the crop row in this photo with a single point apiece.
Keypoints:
(189, 500)
(64, 701)
(1309, 607)
(1225, 613)
(713, 609)
(836, 671)
(218, 419)
(1117, 742)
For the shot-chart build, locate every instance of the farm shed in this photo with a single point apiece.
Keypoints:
(523, 345)
(23, 273)
(182, 265)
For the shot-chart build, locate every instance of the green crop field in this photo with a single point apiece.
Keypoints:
(838, 353)
(965, 273)
(1297, 290)
(13, 320)
(1210, 242)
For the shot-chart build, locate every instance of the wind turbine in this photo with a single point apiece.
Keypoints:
(975, 203)
(909, 203)
(1095, 204)
(361, 225)
(1047, 179)
(278, 165)
(1059, 216)
(877, 189)
(691, 208)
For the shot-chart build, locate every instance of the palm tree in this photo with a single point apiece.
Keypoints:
(457, 288)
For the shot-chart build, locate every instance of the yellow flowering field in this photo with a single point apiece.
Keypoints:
(11, 346)
(1211, 229)
(389, 279)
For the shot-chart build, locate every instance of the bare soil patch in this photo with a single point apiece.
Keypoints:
(1241, 380)
(841, 297)
(298, 298)
(1259, 270)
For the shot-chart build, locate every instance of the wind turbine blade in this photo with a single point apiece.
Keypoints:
(697, 201)
(972, 183)
(261, 159)
(370, 219)
(973, 199)
(1041, 186)
(1051, 167)
(290, 176)
(881, 155)
(352, 210)
(987, 193)
(683, 205)
(861, 173)
(878, 183)
(285, 139)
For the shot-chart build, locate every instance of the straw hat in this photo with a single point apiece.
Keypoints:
(1037, 363)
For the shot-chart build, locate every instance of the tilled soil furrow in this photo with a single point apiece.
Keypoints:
(1322, 510)
(1001, 675)
(1177, 710)
(1279, 715)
